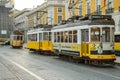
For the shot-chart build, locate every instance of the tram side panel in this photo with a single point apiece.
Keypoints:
(117, 44)
(67, 49)
(45, 42)
(32, 42)
(64, 44)
(17, 43)
(32, 45)
(46, 45)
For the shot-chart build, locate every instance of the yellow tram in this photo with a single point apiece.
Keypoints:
(40, 40)
(16, 41)
(117, 43)
(89, 39)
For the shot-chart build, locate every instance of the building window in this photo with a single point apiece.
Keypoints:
(88, 7)
(59, 9)
(98, 6)
(80, 7)
(109, 6)
(59, 19)
(109, 2)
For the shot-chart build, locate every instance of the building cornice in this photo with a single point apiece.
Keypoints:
(22, 12)
(45, 5)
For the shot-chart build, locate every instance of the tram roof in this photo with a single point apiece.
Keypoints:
(91, 20)
(16, 35)
(38, 30)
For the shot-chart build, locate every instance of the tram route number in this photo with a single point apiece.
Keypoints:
(93, 47)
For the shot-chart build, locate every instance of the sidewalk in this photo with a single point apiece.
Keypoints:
(117, 60)
(24, 45)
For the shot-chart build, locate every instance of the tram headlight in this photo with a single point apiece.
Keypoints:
(100, 48)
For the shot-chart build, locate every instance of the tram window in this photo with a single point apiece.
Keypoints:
(106, 34)
(21, 37)
(74, 36)
(117, 38)
(58, 39)
(66, 36)
(95, 34)
(61, 36)
(66, 39)
(85, 35)
(32, 37)
(14, 37)
(49, 36)
(45, 36)
(70, 36)
(58, 36)
(40, 36)
(55, 37)
(18, 37)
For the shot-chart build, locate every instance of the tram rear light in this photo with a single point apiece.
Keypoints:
(101, 56)
(113, 56)
(98, 56)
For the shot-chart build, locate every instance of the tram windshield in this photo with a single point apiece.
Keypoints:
(95, 34)
(105, 34)
(100, 34)
(117, 38)
(18, 37)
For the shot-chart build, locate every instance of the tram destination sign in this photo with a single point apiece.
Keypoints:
(100, 17)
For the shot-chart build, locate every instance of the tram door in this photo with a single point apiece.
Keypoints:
(85, 42)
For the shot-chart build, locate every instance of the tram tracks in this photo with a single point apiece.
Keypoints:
(15, 68)
(12, 70)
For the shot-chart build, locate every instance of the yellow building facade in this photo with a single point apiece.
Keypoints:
(88, 7)
(50, 12)
(85, 7)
